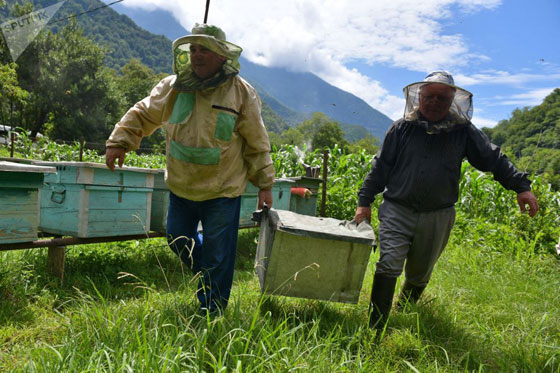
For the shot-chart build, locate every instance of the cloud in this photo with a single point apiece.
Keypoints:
(483, 122)
(495, 77)
(322, 36)
(530, 98)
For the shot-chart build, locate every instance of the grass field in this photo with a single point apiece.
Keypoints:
(492, 304)
(130, 306)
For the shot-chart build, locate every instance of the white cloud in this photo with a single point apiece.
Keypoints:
(530, 98)
(321, 36)
(503, 78)
(483, 122)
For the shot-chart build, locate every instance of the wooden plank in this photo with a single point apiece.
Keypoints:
(55, 261)
(24, 180)
(281, 194)
(83, 215)
(98, 174)
(19, 215)
(158, 214)
(60, 209)
(114, 212)
(24, 167)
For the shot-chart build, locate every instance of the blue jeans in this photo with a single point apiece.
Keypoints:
(213, 253)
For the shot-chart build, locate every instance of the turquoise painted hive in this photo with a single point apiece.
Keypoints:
(88, 200)
(160, 203)
(306, 205)
(19, 201)
(249, 199)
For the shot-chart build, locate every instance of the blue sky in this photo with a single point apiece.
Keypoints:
(506, 52)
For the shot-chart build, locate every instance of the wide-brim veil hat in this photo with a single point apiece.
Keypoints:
(210, 37)
(461, 109)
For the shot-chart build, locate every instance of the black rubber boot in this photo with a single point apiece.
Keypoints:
(381, 300)
(409, 294)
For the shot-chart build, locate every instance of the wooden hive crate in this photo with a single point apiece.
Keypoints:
(305, 205)
(281, 193)
(160, 203)
(310, 257)
(19, 201)
(88, 200)
(249, 199)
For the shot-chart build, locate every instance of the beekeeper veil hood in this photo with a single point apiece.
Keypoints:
(461, 109)
(212, 38)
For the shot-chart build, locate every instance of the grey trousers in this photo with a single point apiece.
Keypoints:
(417, 237)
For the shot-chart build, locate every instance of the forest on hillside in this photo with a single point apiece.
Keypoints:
(532, 135)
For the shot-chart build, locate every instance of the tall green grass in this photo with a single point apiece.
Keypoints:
(492, 304)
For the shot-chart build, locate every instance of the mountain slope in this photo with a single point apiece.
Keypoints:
(307, 93)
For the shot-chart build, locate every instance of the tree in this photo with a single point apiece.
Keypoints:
(533, 136)
(72, 95)
(329, 135)
(292, 136)
(309, 127)
(11, 94)
(369, 143)
(136, 81)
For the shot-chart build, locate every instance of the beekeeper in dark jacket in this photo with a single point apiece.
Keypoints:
(418, 170)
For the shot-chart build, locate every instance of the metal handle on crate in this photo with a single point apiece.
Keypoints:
(258, 215)
(58, 193)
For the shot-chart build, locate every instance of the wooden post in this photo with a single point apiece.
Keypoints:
(55, 261)
(206, 13)
(324, 195)
(82, 144)
(12, 142)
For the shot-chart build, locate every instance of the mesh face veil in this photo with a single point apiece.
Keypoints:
(211, 38)
(461, 109)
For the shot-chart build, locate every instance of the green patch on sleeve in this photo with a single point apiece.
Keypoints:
(183, 106)
(205, 156)
(224, 126)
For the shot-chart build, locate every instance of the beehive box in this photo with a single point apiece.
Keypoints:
(305, 205)
(309, 257)
(19, 201)
(88, 200)
(281, 193)
(249, 200)
(160, 203)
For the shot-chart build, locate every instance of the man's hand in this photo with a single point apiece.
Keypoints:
(528, 198)
(112, 154)
(362, 213)
(265, 196)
